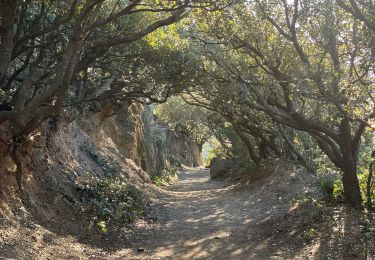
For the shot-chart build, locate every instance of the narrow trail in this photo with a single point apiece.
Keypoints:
(207, 219)
(200, 218)
(193, 218)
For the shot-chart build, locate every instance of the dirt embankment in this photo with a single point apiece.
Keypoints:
(63, 158)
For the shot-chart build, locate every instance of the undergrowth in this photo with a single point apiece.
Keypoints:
(333, 190)
(309, 207)
(165, 177)
(111, 200)
(318, 219)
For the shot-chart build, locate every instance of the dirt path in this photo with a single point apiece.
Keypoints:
(199, 218)
(204, 219)
(194, 218)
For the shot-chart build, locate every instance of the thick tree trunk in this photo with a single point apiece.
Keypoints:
(348, 165)
(352, 193)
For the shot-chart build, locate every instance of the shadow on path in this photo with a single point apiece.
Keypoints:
(209, 219)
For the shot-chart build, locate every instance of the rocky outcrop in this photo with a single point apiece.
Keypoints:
(71, 164)
(96, 144)
(137, 136)
(163, 147)
(220, 167)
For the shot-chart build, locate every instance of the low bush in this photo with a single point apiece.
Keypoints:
(112, 200)
(165, 177)
(332, 188)
(363, 179)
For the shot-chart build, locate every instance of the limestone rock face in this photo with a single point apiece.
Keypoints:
(220, 167)
(139, 137)
(97, 144)
(163, 147)
(68, 158)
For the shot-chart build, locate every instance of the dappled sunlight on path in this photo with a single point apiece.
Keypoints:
(210, 219)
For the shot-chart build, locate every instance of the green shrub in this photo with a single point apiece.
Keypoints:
(112, 200)
(159, 180)
(331, 187)
(175, 161)
(310, 234)
(363, 185)
(326, 185)
(103, 226)
(338, 190)
(165, 177)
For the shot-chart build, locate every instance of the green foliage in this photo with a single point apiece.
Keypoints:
(261, 72)
(166, 38)
(165, 177)
(111, 200)
(103, 226)
(253, 64)
(331, 187)
(212, 149)
(181, 117)
(338, 190)
(310, 234)
(327, 186)
(160, 180)
(363, 185)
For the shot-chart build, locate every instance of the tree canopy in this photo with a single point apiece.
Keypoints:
(288, 78)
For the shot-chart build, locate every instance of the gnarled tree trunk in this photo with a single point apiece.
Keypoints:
(348, 165)
(249, 146)
(352, 193)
